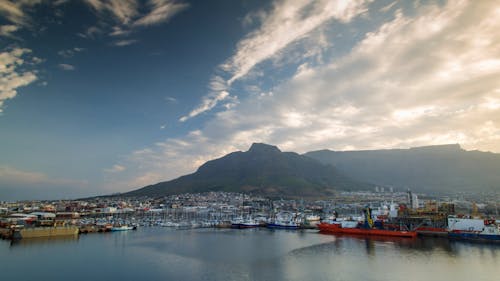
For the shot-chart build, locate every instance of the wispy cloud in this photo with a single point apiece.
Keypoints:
(129, 15)
(171, 99)
(7, 30)
(123, 43)
(289, 21)
(430, 77)
(207, 103)
(66, 67)
(115, 169)
(14, 12)
(68, 53)
(12, 74)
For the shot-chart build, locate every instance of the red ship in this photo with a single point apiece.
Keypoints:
(365, 229)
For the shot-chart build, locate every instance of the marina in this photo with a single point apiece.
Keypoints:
(154, 253)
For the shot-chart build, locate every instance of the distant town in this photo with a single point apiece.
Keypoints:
(222, 209)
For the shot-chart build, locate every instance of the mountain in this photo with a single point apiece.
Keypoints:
(262, 170)
(440, 168)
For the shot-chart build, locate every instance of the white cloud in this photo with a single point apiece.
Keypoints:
(7, 30)
(208, 102)
(389, 91)
(288, 22)
(14, 12)
(171, 99)
(128, 15)
(161, 11)
(11, 77)
(67, 67)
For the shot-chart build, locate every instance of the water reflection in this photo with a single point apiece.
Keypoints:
(255, 254)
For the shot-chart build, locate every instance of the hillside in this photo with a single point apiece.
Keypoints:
(441, 168)
(262, 170)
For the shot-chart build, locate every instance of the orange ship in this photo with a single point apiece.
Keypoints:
(366, 229)
(337, 228)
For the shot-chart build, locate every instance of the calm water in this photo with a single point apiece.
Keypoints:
(252, 254)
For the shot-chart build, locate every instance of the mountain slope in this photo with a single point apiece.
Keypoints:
(441, 168)
(263, 170)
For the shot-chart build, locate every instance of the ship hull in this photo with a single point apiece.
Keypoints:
(45, 232)
(432, 231)
(282, 226)
(472, 236)
(338, 229)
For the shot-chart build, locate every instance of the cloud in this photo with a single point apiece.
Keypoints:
(126, 16)
(66, 67)
(123, 43)
(288, 22)
(68, 53)
(59, 2)
(115, 169)
(7, 30)
(12, 74)
(426, 77)
(161, 11)
(171, 99)
(91, 32)
(10, 175)
(15, 13)
(16, 184)
(207, 103)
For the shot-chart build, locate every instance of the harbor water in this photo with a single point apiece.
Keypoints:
(252, 254)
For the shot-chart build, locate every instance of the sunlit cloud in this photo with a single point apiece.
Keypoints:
(208, 102)
(426, 78)
(12, 74)
(288, 22)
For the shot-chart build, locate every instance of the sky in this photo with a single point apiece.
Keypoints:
(101, 97)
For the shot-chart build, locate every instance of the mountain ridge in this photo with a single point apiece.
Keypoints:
(438, 168)
(262, 170)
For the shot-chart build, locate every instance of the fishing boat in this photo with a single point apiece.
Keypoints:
(123, 228)
(245, 223)
(369, 227)
(285, 221)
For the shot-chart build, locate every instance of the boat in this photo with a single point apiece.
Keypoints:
(473, 229)
(366, 228)
(431, 231)
(35, 232)
(284, 224)
(123, 228)
(285, 221)
(245, 223)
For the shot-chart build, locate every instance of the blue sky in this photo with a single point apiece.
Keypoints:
(98, 97)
